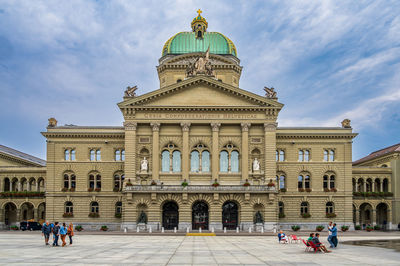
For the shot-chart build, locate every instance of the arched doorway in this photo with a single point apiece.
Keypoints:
(27, 211)
(365, 214)
(230, 215)
(381, 215)
(10, 211)
(42, 211)
(170, 215)
(200, 215)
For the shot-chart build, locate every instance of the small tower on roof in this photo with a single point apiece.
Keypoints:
(199, 25)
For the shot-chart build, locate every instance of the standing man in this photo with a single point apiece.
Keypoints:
(330, 234)
(46, 230)
(334, 235)
(56, 234)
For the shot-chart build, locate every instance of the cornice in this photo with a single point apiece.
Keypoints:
(83, 135)
(316, 135)
(19, 160)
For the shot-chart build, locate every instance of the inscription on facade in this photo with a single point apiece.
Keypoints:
(198, 116)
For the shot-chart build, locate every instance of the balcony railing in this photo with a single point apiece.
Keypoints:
(199, 188)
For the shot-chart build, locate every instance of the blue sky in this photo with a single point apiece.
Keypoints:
(328, 60)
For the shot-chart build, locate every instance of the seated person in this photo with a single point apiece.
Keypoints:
(318, 244)
(310, 238)
(282, 237)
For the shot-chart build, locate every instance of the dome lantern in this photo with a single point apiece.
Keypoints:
(199, 25)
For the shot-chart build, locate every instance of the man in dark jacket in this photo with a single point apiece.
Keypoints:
(46, 230)
(56, 234)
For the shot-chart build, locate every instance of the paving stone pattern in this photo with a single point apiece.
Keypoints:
(29, 249)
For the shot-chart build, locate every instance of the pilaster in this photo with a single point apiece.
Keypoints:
(245, 150)
(214, 153)
(156, 150)
(270, 148)
(185, 150)
(130, 150)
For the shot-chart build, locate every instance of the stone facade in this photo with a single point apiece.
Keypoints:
(197, 153)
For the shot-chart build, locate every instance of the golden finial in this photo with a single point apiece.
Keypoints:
(199, 12)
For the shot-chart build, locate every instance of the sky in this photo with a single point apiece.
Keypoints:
(327, 60)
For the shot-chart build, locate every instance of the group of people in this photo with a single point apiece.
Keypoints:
(314, 238)
(57, 231)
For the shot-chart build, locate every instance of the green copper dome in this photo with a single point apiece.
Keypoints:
(199, 40)
(186, 42)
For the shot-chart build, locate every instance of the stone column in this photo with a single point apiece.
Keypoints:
(373, 218)
(357, 216)
(10, 187)
(381, 186)
(365, 186)
(245, 150)
(185, 150)
(373, 186)
(356, 186)
(35, 214)
(270, 149)
(130, 151)
(156, 150)
(214, 152)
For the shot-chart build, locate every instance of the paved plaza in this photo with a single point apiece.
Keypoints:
(108, 249)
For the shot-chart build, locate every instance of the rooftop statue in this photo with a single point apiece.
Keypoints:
(130, 91)
(270, 93)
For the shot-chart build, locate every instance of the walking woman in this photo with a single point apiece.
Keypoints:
(63, 233)
(70, 232)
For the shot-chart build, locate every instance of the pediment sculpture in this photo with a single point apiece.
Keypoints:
(201, 66)
(346, 123)
(130, 91)
(270, 93)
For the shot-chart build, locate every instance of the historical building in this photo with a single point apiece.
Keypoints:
(199, 152)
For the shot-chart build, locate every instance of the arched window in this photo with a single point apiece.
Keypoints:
(73, 155)
(32, 184)
(119, 155)
(332, 181)
(91, 181)
(6, 184)
(118, 208)
(281, 155)
(304, 207)
(69, 181)
(280, 179)
(165, 161)
(330, 207)
(205, 161)
(329, 155)
(98, 155)
(23, 183)
(326, 182)
(304, 181)
(306, 155)
(118, 181)
(385, 185)
(69, 207)
(281, 206)
(300, 180)
(369, 185)
(223, 161)
(229, 159)
(195, 161)
(66, 155)
(235, 161)
(176, 161)
(200, 159)
(301, 155)
(170, 159)
(307, 182)
(378, 185)
(98, 181)
(94, 207)
(92, 155)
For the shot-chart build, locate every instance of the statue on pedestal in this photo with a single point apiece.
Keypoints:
(258, 218)
(256, 165)
(142, 218)
(144, 165)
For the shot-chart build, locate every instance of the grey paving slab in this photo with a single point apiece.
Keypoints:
(23, 249)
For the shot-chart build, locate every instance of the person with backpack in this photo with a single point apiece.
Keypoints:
(46, 230)
(63, 233)
(56, 234)
(334, 239)
(70, 232)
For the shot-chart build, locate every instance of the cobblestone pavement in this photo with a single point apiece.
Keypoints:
(28, 248)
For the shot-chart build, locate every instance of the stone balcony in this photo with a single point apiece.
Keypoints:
(200, 188)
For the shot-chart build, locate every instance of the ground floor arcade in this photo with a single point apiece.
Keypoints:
(373, 212)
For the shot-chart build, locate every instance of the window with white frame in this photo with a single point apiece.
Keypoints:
(170, 159)
(329, 155)
(119, 155)
(95, 155)
(229, 159)
(69, 154)
(69, 207)
(200, 159)
(304, 155)
(280, 155)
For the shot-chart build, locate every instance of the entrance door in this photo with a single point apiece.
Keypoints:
(230, 215)
(200, 215)
(170, 215)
